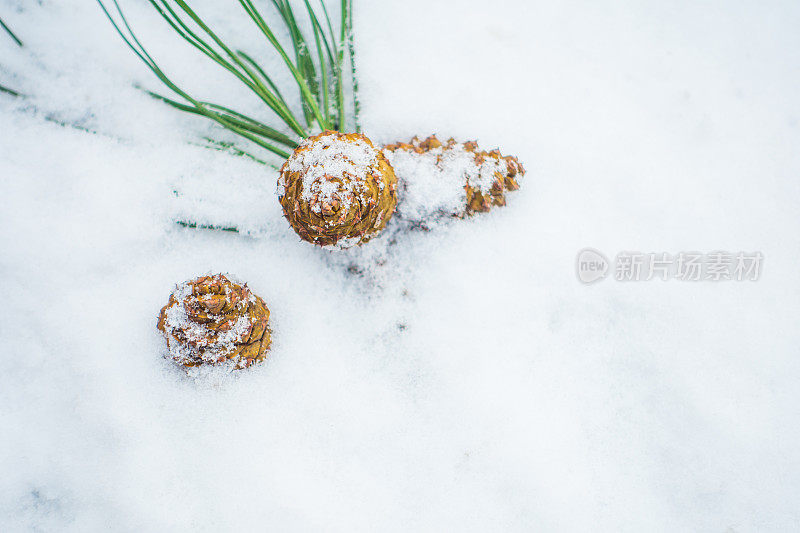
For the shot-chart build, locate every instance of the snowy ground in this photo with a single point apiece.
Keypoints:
(469, 383)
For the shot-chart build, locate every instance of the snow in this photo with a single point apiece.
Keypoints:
(328, 158)
(456, 379)
(433, 182)
(426, 187)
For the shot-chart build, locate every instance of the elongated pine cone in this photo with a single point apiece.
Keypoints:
(465, 178)
(211, 320)
(337, 189)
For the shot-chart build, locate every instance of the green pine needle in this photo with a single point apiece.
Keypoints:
(316, 67)
(3, 88)
(10, 33)
(12, 92)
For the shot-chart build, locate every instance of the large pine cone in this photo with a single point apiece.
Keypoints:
(337, 189)
(211, 320)
(469, 180)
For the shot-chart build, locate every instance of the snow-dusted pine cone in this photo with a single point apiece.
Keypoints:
(211, 320)
(337, 189)
(454, 178)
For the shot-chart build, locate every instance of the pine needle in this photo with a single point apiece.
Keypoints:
(9, 32)
(316, 67)
(195, 225)
(12, 92)
(4, 89)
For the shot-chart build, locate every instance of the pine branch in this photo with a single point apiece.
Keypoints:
(316, 69)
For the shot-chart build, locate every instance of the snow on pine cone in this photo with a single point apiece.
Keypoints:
(450, 178)
(337, 190)
(212, 320)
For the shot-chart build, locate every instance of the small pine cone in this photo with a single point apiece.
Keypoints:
(337, 190)
(484, 176)
(211, 320)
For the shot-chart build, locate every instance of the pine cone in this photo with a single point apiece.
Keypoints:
(484, 176)
(337, 190)
(211, 320)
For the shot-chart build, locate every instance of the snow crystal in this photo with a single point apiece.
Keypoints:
(342, 244)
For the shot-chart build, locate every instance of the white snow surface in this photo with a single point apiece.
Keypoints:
(455, 379)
